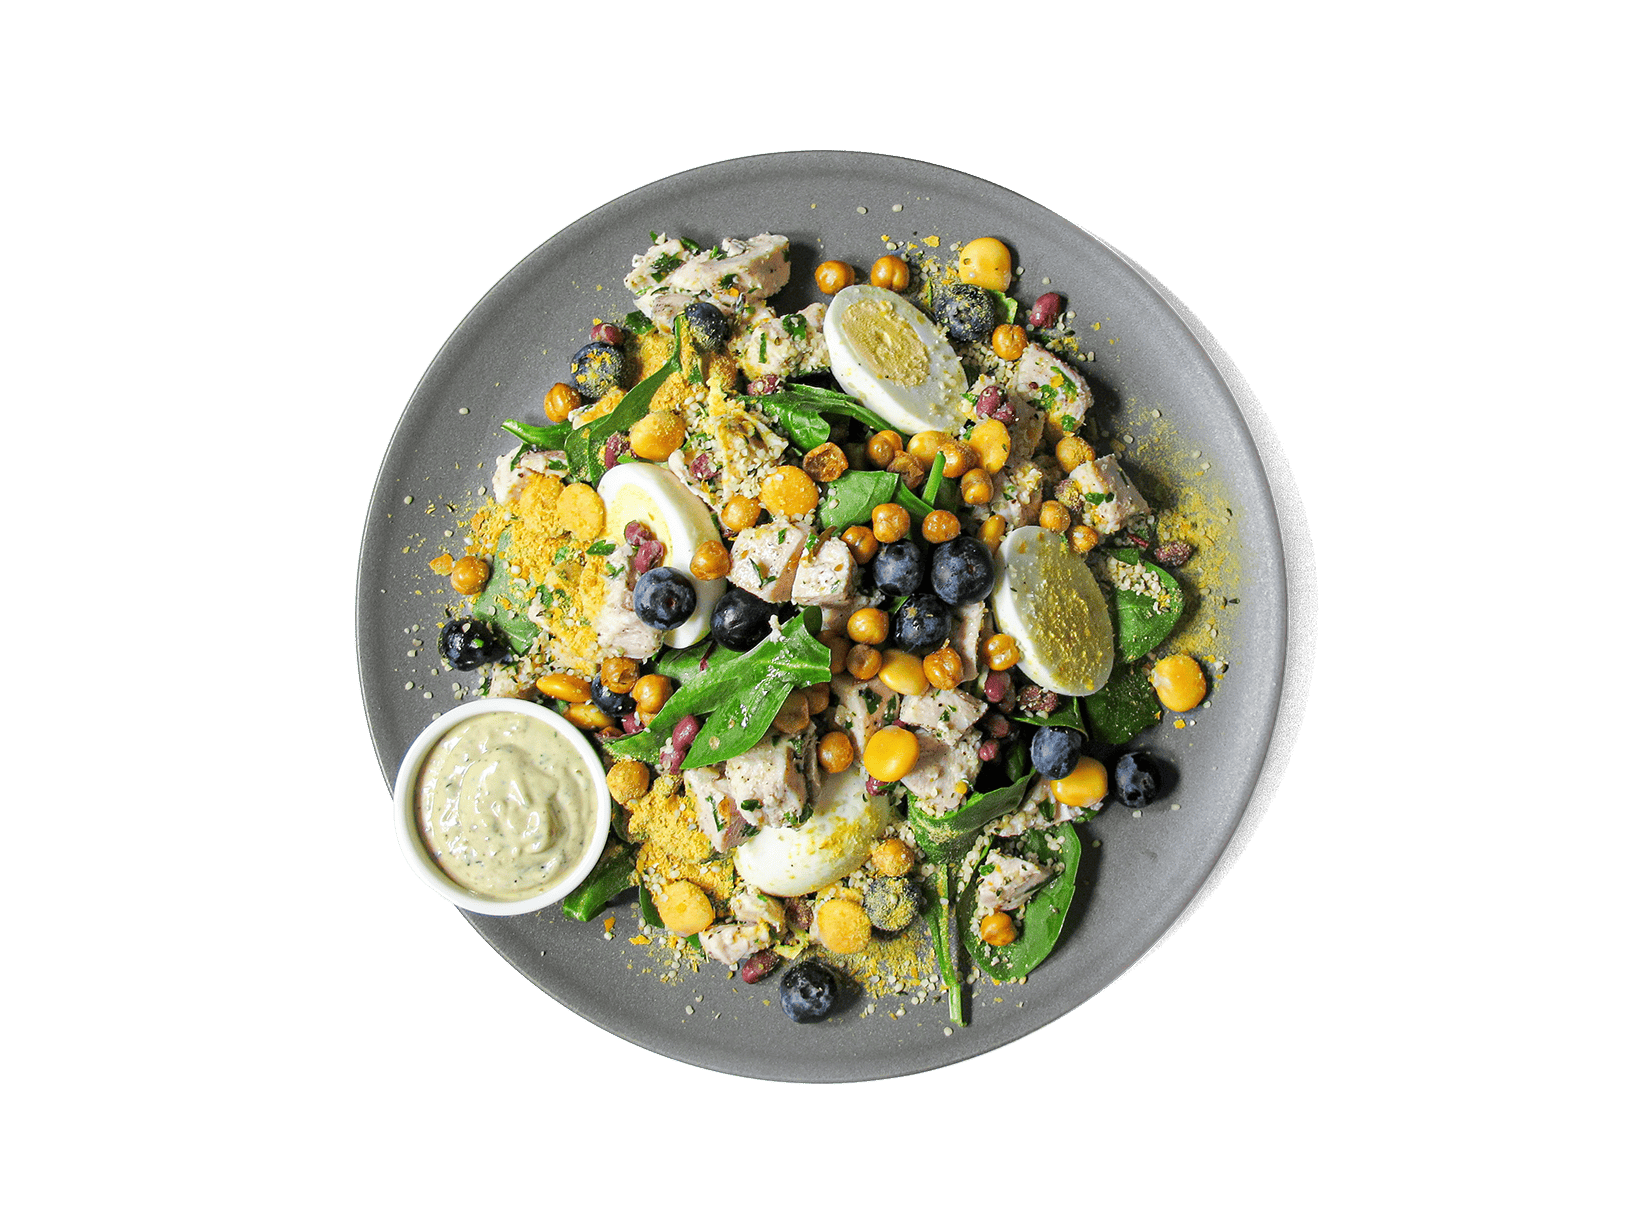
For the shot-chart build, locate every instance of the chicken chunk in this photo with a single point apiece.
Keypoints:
(716, 813)
(1019, 495)
(943, 713)
(862, 709)
(793, 345)
(1106, 499)
(766, 781)
(730, 942)
(825, 576)
(734, 273)
(1055, 387)
(1009, 884)
(969, 624)
(509, 479)
(752, 905)
(764, 560)
(619, 630)
(944, 772)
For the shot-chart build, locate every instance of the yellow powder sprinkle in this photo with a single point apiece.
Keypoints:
(442, 564)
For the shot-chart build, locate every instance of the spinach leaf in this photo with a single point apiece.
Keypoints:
(1068, 715)
(851, 497)
(682, 663)
(799, 422)
(949, 836)
(1141, 624)
(1043, 917)
(1018, 760)
(646, 907)
(1126, 705)
(585, 444)
(537, 436)
(637, 323)
(940, 913)
(612, 874)
(742, 721)
(807, 403)
(1007, 308)
(504, 600)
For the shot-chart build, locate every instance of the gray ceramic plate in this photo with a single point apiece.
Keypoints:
(517, 341)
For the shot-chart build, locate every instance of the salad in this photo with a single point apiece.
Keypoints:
(857, 613)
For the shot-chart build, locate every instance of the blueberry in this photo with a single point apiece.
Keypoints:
(897, 569)
(469, 644)
(1137, 778)
(596, 369)
(966, 311)
(891, 902)
(615, 704)
(808, 992)
(740, 620)
(664, 598)
(962, 571)
(708, 326)
(922, 624)
(1054, 751)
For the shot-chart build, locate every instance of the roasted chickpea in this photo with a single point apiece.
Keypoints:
(883, 446)
(819, 696)
(741, 512)
(998, 929)
(1000, 652)
(1053, 517)
(835, 752)
(986, 262)
(911, 471)
(1072, 451)
(825, 462)
(892, 857)
(842, 926)
(561, 401)
(793, 716)
(788, 492)
(863, 662)
(684, 907)
(656, 435)
(589, 717)
(890, 754)
(619, 674)
(976, 487)
(838, 645)
(710, 561)
(469, 575)
(627, 781)
(651, 693)
(940, 527)
(833, 276)
(1179, 682)
(890, 523)
(992, 531)
(903, 673)
(562, 687)
(869, 626)
(1084, 539)
(891, 273)
(1083, 787)
(943, 668)
(862, 543)
(991, 443)
(1009, 341)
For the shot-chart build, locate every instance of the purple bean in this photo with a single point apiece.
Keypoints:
(1035, 699)
(991, 404)
(648, 555)
(874, 787)
(677, 747)
(762, 386)
(1045, 311)
(996, 686)
(631, 723)
(606, 332)
(759, 964)
(614, 447)
(703, 466)
(800, 913)
(997, 726)
(988, 750)
(637, 533)
(1173, 554)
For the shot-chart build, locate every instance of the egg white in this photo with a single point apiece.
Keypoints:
(937, 404)
(833, 842)
(1037, 569)
(639, 491)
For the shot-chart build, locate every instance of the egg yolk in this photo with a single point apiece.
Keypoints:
(886, 342)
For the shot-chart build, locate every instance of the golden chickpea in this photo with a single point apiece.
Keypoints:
(793, 716)
(940, 527)
(943, 668)
(986, 262)
(619, 674)
(819, 696)
(990, 441)
(992, 531)
(842, 925)
(1072, 451)
(684, 908)
(883, 446)
(561, 401)
(1084, 539)
(651, 693)
(656, 435)
(890, 754)
(825, 462)
(1009, 341)
(891, 273)
(924, 445)
(863, 662)
(869, 626)
(903, 673)
(862, 543)
(710, 561)
(589, 717)
(1179, 682)
(1000, 652)
(562, 687)
(838, 645)
(628, 780)
(835, 752)
(976, 487)
(892, 857)
(890, 523)
(998, 929)
(741, 512)
(788, 492)
(1083, 787)
(833, 276)
(911, 471)
(1054, 517)
(961, 457)
(469, 575)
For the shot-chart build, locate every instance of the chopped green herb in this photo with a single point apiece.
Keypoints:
(601, 548)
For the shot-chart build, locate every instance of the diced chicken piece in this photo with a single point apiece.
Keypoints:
(770, 775)
(862, 709)
(1019, 494)
(825, 576)
(1106, 499)
(944, 772)
(943, 713)
(1009, 884)
(509, 480)
(716, 813)
(619, 630)
(969, 623)
(764, 559)
(667, 277)
(730, 942)
(1054, 386)
(750, 905)
(792, 345)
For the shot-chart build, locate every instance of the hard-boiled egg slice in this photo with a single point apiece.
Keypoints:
(890, 356)
(1048, 601)
(833, 842)
(638, 491)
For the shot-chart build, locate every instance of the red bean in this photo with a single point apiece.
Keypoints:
(638, 533)
(996, 686)
(631, 723)
(989, 749)
(991, 404)
(1173, 554)
(758, 965)
(614, 447)
(648, 555)
(997, 726)
(606, 332)
(874, 787)
(1045, 311)
(676, 748)
(703, 467)
(762, 386)
(800, 913)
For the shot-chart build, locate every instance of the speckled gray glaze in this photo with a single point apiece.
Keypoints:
(517, 341)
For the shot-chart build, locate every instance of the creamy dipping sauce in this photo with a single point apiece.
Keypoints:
(506, 806)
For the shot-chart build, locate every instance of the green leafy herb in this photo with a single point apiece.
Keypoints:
(1006, 307)
(949, 836)
(601, 548)
(1044, 915)
(727, 281)
(763, 348)
(1126, 706)
(1141, 623)
(796, 327)
(689, 244)
(664, 265)
(504, 600)
(637, 323)
(752, 805)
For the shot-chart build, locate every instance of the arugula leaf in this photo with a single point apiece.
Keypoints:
(1043, 917)
(949, 836)
(1126, 705)
(1141, 624)
(504, 600)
